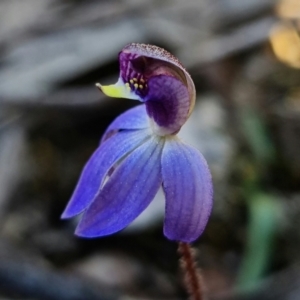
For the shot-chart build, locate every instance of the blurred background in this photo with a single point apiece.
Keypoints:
(244, 57)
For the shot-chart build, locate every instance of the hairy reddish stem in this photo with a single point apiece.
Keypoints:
(192, 279)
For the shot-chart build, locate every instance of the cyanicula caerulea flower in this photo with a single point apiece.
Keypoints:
(140, 151)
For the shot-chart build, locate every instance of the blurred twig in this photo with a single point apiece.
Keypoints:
(225, 45)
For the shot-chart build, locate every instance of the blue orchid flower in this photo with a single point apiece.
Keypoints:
(140, 152)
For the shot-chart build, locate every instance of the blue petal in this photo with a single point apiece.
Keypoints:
(97, 167)
(128, 192)
(168, 103)
(189, 193)
(134, 118)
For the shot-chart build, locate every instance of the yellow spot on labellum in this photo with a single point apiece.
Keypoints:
(136, 85)
(131, 81)
(140, 86)
(134, 79)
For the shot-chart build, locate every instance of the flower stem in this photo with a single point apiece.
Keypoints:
(192, 279)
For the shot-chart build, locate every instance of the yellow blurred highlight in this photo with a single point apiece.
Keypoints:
(289, 9)
(285, 42)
